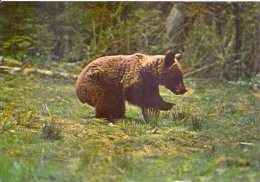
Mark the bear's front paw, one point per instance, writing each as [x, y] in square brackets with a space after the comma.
[167, 106]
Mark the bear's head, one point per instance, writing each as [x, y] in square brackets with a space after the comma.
[171, 73]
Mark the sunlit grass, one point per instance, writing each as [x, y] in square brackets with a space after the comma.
[209, 135]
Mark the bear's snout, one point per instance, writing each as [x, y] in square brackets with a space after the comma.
[178, 90]
[181, 92]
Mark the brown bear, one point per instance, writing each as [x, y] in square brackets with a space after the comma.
[108, 81]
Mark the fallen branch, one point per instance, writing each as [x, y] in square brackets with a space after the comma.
[10, 70]
[13, 70]
[11, 66]
[245, 143]
[49, 73]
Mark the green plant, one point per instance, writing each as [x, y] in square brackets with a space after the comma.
[51, 131]
[196, 123]
[134, 128]
[152, 116]
[24, 117]
[4, 121]
[180, 112]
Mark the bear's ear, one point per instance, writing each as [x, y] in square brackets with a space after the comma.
[178, 56]
[169, 59]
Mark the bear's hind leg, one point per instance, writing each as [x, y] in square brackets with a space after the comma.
[110, 108]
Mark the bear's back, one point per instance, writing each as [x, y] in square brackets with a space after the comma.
[114, 66]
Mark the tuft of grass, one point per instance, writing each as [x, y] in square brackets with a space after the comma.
[4, 121]
[196, 123]
[152, 117]
[24, 117]
[179, 112]
[133, 128]
[51, 131]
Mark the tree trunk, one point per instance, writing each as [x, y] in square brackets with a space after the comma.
[256, 61]
[233, 66]
[239, 30]
[238, 40]
[178, 25]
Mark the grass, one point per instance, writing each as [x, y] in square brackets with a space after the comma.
[211, 134]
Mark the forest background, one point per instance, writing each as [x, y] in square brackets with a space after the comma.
[220, 40]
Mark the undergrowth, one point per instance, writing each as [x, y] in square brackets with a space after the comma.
[211, 134]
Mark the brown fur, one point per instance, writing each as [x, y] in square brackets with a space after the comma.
[108, 81]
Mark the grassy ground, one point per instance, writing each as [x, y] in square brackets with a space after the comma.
[46, 134]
